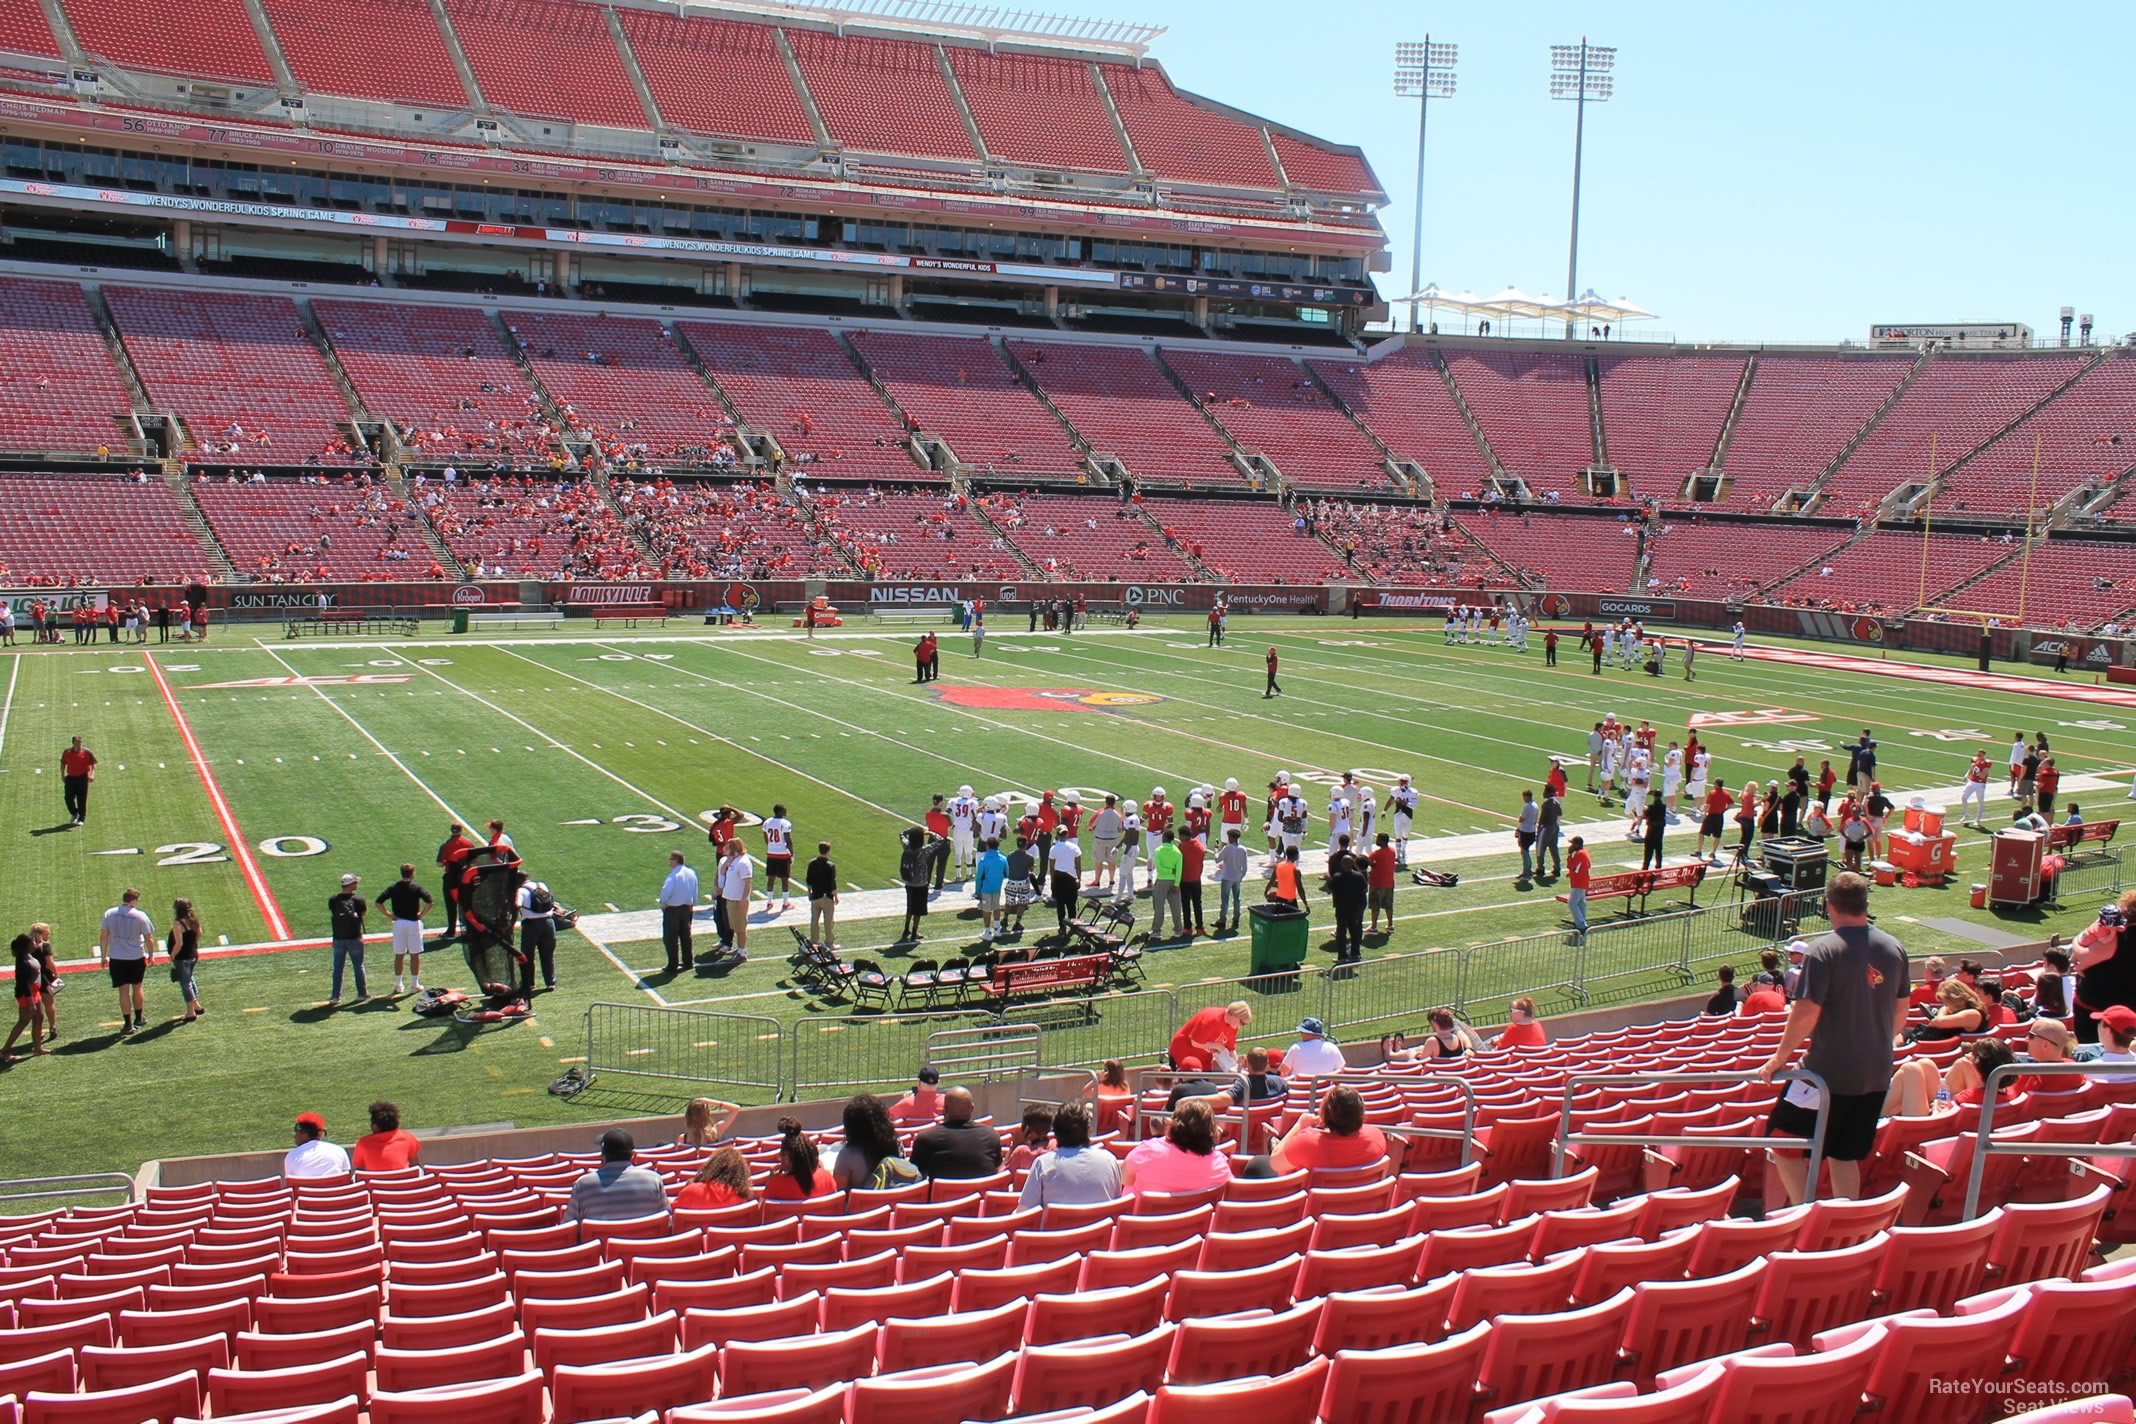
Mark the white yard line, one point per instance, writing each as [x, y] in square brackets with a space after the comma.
[365, 732]
[8, 706]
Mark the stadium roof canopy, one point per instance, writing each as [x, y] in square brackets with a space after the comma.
[988, 24]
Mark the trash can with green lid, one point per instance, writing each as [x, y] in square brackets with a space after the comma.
[1279, 935]
[459, 620]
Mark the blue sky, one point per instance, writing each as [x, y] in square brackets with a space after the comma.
[1765, 172]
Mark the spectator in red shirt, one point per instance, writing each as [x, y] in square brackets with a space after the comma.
[1554, 782]
[722, 1181]
[801, 1173]
[1193, 855]
[1765, 997]
[386, 1148]
[1523, 1030]
[1208, 1033]
[1339, 1138]
[1379, 882]
[1579, 871]
[1715, 819]
[1915, 1082]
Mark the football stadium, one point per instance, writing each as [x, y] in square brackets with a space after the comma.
[757, 710]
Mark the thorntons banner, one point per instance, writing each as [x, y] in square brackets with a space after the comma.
[1149, 598]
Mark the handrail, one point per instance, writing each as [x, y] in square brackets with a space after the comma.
[1566, 1137]
[11, 1188]
[1986, 1143]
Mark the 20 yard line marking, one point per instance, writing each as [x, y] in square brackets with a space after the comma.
[240, 848]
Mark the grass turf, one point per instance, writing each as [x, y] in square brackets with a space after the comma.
[602, 753]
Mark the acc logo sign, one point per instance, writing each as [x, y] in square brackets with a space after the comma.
[742, 597]
[1041, 699]
[1553, 605]
[1868, 630]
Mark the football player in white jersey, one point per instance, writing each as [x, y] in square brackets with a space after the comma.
[1404, 801]
[1132, 850]
[963, 811]
[993, 823]
[779, 856]
[1366, 816]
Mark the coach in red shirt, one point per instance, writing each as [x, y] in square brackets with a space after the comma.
[1379, 881]
[77, 768]
[1579, 869]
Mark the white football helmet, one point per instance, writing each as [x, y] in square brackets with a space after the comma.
[1231, 783]
[1156, 793]
[964, 791]
[1194, 802]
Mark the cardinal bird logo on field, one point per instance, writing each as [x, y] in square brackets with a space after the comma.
[1042, 699]
[1553, 605]
[1868, 630]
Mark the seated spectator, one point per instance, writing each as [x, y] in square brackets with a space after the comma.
[1990, 990]
[871, 1156]
[386, 1148]
[1032, 1137]
[1257, 1084]
[615, 1190]
[1210, 1038]
[1112, 1100]
[801, 1174]
[2117, 1032]
[1523, 1029]
[1725, 998]
[2050, 995]
[1956, 1011]
[313, 1156]
[705, 1122]
[1185, 1159]
[722, 1181]
[1450, 1038]
[1764, 997]
[1915, 1082]
[2047, 1041]
[956, 1148]
[1339, 1138]
[1314, 1055]
[922, 1107]
[1074, 1173]
[1933, 972]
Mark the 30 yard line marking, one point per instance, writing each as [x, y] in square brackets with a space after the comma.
[705, 732]
[240, 848]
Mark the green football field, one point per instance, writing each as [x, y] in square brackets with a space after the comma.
[250, 775]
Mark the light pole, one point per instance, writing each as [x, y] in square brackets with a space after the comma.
[1422, 71]
[1581, 73]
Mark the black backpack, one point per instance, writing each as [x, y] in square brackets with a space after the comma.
[540, 901]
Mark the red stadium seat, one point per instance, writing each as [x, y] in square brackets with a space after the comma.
[161, 1399]
[843, 1308]
[2052, 1239]
[435, 1368]
[1376, 1319]
[1805, 1292]
[1773, 1385]
[345, 1410]
[1927, 1361]
[936, 1394]
[811, 1361]
[1253, 1342]
[782, 1406]
[586, 1392]
[321, 1382]
[262, 1350]
[53, 1373]
[117, 1367]
[1122, 1310]
[801, 1315]
[1675, 1322]
[947, 1339]
[517, 1400]
[983, 1290]
[1092, 1372]
[443, 1332]
[1216, 1292]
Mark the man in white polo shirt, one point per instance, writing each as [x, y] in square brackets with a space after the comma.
[734, 874]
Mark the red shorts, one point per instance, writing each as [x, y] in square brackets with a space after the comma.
[28, 1001]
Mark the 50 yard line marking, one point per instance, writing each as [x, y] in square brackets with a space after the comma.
[240, 848]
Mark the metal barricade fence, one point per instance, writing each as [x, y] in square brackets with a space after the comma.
[1380, 995]
[2093, 877]
[736, 1051]
[1084, 1032]
[987, 1053]
[851, 1052]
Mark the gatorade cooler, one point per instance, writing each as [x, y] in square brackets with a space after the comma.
[1914, 809]
[1980, 896]
[1931, 821]
[1885, 872]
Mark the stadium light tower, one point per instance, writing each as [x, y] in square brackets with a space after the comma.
[1423, 71]
[1582, 73]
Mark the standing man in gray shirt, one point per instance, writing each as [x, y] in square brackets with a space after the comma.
[1232, 861]
[1531, 816]
[1549, 817]
[127, 940]
[1594, 754]
[1854, 999]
